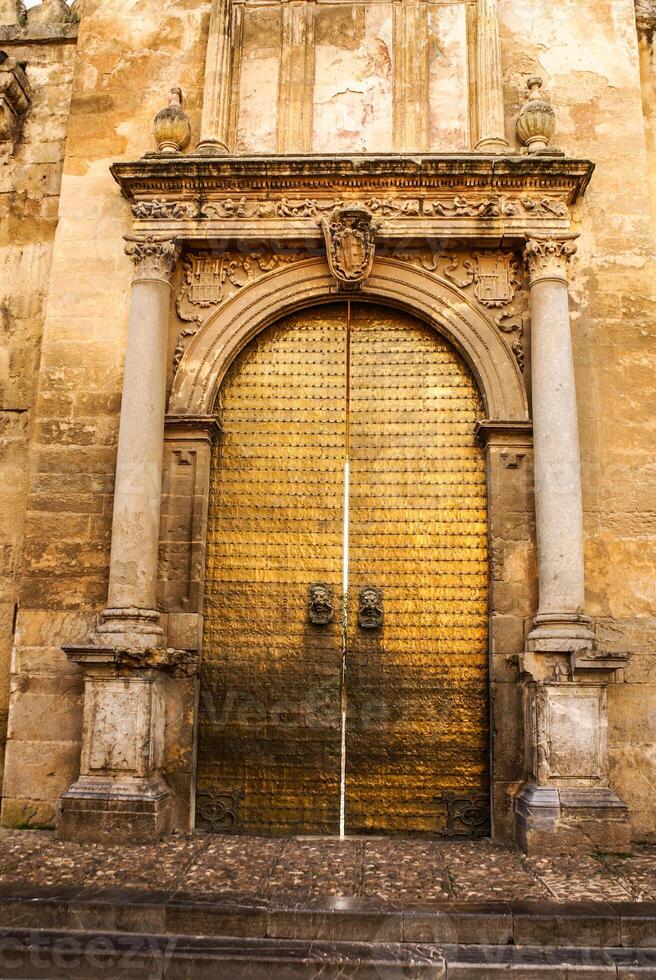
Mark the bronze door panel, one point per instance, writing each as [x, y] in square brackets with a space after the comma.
[417, 687]
[270, 716]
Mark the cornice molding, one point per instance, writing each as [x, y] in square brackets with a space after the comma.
[464, 196]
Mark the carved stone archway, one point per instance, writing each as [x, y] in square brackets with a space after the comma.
[391, 282]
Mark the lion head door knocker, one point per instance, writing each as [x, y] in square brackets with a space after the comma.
[350, 245]
[370, 612]
[320, 605]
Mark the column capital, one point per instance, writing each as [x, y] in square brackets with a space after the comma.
[547, 258]
[152, 258]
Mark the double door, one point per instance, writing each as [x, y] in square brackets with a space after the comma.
[344, 683]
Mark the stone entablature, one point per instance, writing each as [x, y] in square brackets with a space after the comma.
[470, 197]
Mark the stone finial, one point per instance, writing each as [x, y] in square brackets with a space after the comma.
[536, 123]
[172, 128]
[50, 12]
[12, 12]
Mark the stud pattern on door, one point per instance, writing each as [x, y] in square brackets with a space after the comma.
[270, 726]
[414, 717]
[417, 689]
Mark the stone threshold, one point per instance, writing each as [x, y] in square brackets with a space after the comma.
[515, 923]
[79, 955]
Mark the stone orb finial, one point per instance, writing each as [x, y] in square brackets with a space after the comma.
[536, 122]
[50, 12]
[172, 127]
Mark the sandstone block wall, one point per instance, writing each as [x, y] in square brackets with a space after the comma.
[29, 201]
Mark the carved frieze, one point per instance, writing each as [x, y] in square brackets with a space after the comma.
[148, 210]
[391, 209]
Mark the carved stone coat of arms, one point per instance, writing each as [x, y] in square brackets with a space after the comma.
[350, 244]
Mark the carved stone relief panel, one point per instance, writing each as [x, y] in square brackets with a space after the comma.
[491, 278]
[211, 278]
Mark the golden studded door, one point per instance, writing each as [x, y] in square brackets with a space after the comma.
[417, 684]
[269, 751]
[344, 683]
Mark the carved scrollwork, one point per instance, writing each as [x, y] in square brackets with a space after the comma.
[219, 811]
[467, 813]
[149, 210]
[210, 279]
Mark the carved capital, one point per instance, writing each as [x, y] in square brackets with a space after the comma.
[152, 259]
[547, 258]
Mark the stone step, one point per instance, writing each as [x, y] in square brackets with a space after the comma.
[538, 923]
[81, 955]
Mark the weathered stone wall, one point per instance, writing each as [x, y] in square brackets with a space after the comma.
[128, 62]
[29, 198]
[587, 52]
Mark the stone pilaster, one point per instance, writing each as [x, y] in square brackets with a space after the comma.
[296, 83]
[215, 121]
[489, 80]
[566, 803]
[411, 118]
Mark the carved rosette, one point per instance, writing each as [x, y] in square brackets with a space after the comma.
[350, 244]
[547, 258]
[152, 259]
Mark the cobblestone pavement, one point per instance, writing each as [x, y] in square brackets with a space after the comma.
[310, 867]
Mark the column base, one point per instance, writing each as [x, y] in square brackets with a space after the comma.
[211, 148]
[105, 809]
[562, 633]
[579, 820]
[493, 144]
[131, 628]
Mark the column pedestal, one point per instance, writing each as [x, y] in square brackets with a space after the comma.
[121, 793]
[567, 803]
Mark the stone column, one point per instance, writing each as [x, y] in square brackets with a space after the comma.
[489, 80]
[558, 503]
[567, 803]
[215, 121]
[121, 791]
[131, 619]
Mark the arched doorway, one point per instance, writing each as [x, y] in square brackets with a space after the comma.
[348, 461]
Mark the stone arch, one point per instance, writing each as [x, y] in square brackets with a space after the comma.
[429, 297]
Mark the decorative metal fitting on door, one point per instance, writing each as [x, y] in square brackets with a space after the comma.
[320, 604]
[370, 612]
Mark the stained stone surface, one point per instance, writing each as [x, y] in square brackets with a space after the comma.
[410, 872]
